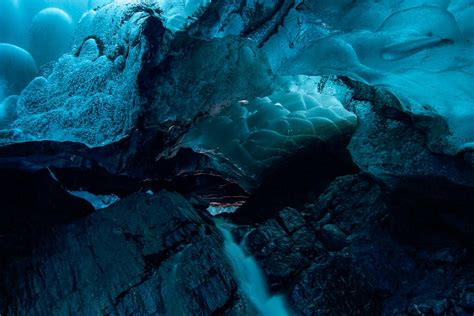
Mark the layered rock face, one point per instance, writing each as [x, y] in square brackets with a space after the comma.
[147, 254]
[345, 183]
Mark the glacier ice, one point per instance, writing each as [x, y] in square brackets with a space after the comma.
[207, 77]
[254, 133]
[16, 17]
[178, 13]
[422, 51]
[51, 35]
[419, 50]
[17, 69]
[8, 110]
[90, 95]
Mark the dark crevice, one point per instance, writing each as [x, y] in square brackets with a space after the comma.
[228, 305]
[99, 42]
[432, 212]
[295, 180]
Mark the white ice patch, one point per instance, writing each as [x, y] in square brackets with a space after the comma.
[179, 12]
[97, 201]
[214, 209]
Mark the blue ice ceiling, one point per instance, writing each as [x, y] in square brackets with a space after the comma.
[420, 50]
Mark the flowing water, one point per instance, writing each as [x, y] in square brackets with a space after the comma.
[250, 278]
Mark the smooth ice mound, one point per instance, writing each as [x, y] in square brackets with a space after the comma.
[51, 35]
[17, 69]
[253, 134]
[422, 51]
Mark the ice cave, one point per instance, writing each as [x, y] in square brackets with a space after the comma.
[239, 157]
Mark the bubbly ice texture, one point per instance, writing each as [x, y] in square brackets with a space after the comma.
[422, 51]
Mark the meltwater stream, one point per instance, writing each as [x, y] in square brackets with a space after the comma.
[250, 278]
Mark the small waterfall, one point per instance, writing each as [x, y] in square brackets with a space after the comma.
[249, 277]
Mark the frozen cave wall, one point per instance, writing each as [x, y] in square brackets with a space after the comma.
[335, 135]
[254, 134]
[419, 50]
[375, 42]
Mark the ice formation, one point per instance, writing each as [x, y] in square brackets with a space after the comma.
[254, 133]
[17, 69]
[89, 96]
[51, 35]
[178, 13]
[422, 51]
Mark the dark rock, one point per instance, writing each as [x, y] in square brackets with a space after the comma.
[31, 202]
[292, 219]
[367, 271]
[468, 300]
[307, 172]
[459, 311]
[432, 193]
[328, 287]
[333, 237]
[147, 254]
[393, 149]
[282, 253]
[439, 307]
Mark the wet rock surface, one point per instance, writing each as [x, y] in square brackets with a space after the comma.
[147, 254]
[393, 239]
[381, 234]
[340, 255]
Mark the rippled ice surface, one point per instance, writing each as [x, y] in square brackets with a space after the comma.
[420, 50]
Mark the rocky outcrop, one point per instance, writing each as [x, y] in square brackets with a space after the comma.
[393, 239]
[340, 256]
[147, 254]
[392, 147]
